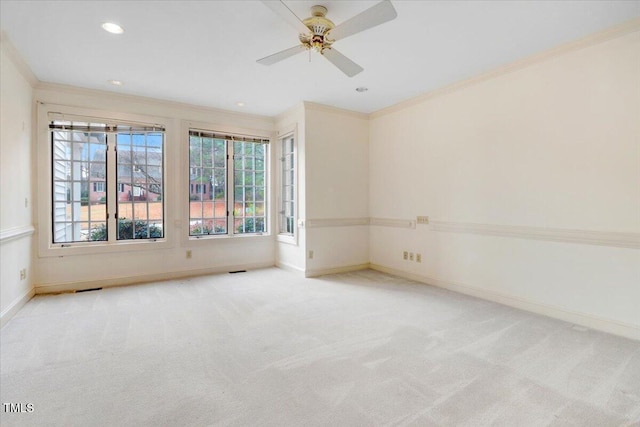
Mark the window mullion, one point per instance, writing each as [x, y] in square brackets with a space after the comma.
[112, 190]
[230, 188]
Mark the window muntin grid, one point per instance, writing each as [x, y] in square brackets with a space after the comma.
[79, 162]
[139, 208]
[81, 187]
[207, 184]
[288, 186]
[249, 178]
[238, 168]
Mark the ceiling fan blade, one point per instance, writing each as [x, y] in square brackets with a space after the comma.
[345, 65]
[376, 15]
[276, 57]
[287, 14]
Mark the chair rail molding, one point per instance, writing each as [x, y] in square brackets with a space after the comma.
[589, 237]
[393, 222]
[16, 233]
[336, 222]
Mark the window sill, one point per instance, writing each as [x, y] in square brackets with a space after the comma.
[90, 248]
[290, 239]
[218, 239]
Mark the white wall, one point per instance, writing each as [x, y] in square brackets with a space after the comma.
[337, 188]
[534, 153]
[54, 273]
[16, 226]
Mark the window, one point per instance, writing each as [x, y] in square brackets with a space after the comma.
[287, 186]
[79, 155]
[227, 184]
[89, 159]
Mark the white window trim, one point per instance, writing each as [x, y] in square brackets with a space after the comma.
[46, 247]
[183, 181]
[285, 133]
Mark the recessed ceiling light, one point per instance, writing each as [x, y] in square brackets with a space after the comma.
[361, 89]
[112, 28]
[115, 82]
[240, 104]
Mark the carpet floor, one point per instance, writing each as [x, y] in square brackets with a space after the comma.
[270, 348]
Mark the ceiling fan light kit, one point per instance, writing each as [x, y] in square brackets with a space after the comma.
[319, 33]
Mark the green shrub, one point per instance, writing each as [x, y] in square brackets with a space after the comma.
[251, 226]
[206, 229]
[126, 230]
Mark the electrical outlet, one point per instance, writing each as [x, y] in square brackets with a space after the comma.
[418, 257]
[423, 220]
[189, 254]
[310, 254]
[405, 255]
[23, 274]
[411, 256]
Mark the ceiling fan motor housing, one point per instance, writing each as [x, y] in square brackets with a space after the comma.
[319, 33]
[319, 26]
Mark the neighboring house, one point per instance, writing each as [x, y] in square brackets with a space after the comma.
[200, 188]
[136, 182]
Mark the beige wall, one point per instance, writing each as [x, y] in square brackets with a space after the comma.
[537, 153]
[337, 170]
[16, 225]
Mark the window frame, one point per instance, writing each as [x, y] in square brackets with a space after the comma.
[44, 201]
[187, 239]
[292, 132]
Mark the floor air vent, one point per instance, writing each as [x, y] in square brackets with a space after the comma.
[89, 290]
[237, 271]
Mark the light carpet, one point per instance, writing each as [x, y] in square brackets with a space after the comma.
[270, 348]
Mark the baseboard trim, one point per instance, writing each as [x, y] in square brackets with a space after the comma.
[315, 272]
[598, 323]
[143, 278]
[602, 238]
[289, 267]
[16, 305]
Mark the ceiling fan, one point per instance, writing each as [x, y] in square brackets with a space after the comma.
[319, 33]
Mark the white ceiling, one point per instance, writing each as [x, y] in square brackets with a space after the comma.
[205, 52]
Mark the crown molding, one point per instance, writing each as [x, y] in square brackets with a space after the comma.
[75, 90]
[10, 50]
[611, 33]
[335, 110]
[296, 109]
